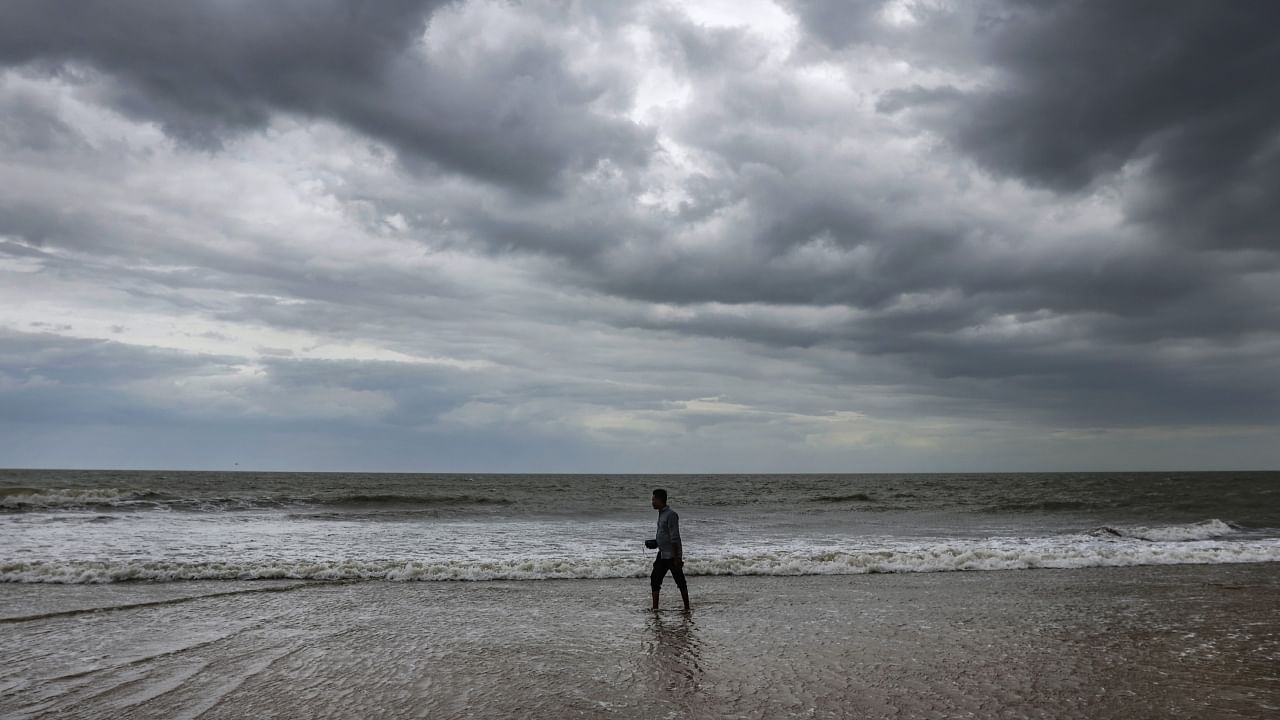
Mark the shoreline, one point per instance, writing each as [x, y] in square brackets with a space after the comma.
[1133, 642]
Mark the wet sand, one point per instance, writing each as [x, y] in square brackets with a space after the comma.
[1161, 642]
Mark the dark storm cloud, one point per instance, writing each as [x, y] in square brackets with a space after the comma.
[839, 23]
[1085, 88]
[513, 114]
[420, 393]
[41, 357]
[47, 378]
[67, 402]
[1096, 317]
[31, 125]
[1087, 380]
[276, 286]
[38, 224]
[1043, 215]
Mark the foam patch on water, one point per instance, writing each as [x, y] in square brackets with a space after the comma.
[952, 556]
[71, 498]
[1205, 530]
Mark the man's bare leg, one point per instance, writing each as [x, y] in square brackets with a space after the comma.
[655, 601]
[684, 595]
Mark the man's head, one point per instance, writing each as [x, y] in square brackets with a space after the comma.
[659, 498]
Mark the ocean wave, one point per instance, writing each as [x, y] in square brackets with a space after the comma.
[1043, 506]
[24, 499]
[854, 497]
[343, 500]
[1082, 553]
[20, 498]
[1204, 530]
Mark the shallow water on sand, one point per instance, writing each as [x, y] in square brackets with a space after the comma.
[1187, 641]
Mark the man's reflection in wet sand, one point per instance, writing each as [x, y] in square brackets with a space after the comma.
[674, 652]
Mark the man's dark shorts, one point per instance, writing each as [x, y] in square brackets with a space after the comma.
[660, 568]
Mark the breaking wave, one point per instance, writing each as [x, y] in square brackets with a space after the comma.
[1204, 530]
[18, 498]
[1009, 554]
[21, 499]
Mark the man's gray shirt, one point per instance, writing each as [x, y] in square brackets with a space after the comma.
[668, 532]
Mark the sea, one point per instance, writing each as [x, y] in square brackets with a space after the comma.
[112, 526]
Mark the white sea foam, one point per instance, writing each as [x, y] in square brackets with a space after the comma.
[1205, 530]
[51, 499]
[1001, 554]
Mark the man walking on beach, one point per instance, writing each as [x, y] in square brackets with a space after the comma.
[670, 553]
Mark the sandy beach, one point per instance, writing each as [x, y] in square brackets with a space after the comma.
[1188, 641]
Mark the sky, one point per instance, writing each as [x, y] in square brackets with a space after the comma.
[714, 236]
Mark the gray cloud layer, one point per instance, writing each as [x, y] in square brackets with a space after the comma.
[514, 114]
[899, 236]
[1087, 88]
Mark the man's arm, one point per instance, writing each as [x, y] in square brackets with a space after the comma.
[677, 550]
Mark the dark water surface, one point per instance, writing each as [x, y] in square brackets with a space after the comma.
[107, 526]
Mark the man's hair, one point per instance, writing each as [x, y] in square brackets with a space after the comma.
[660, 494]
